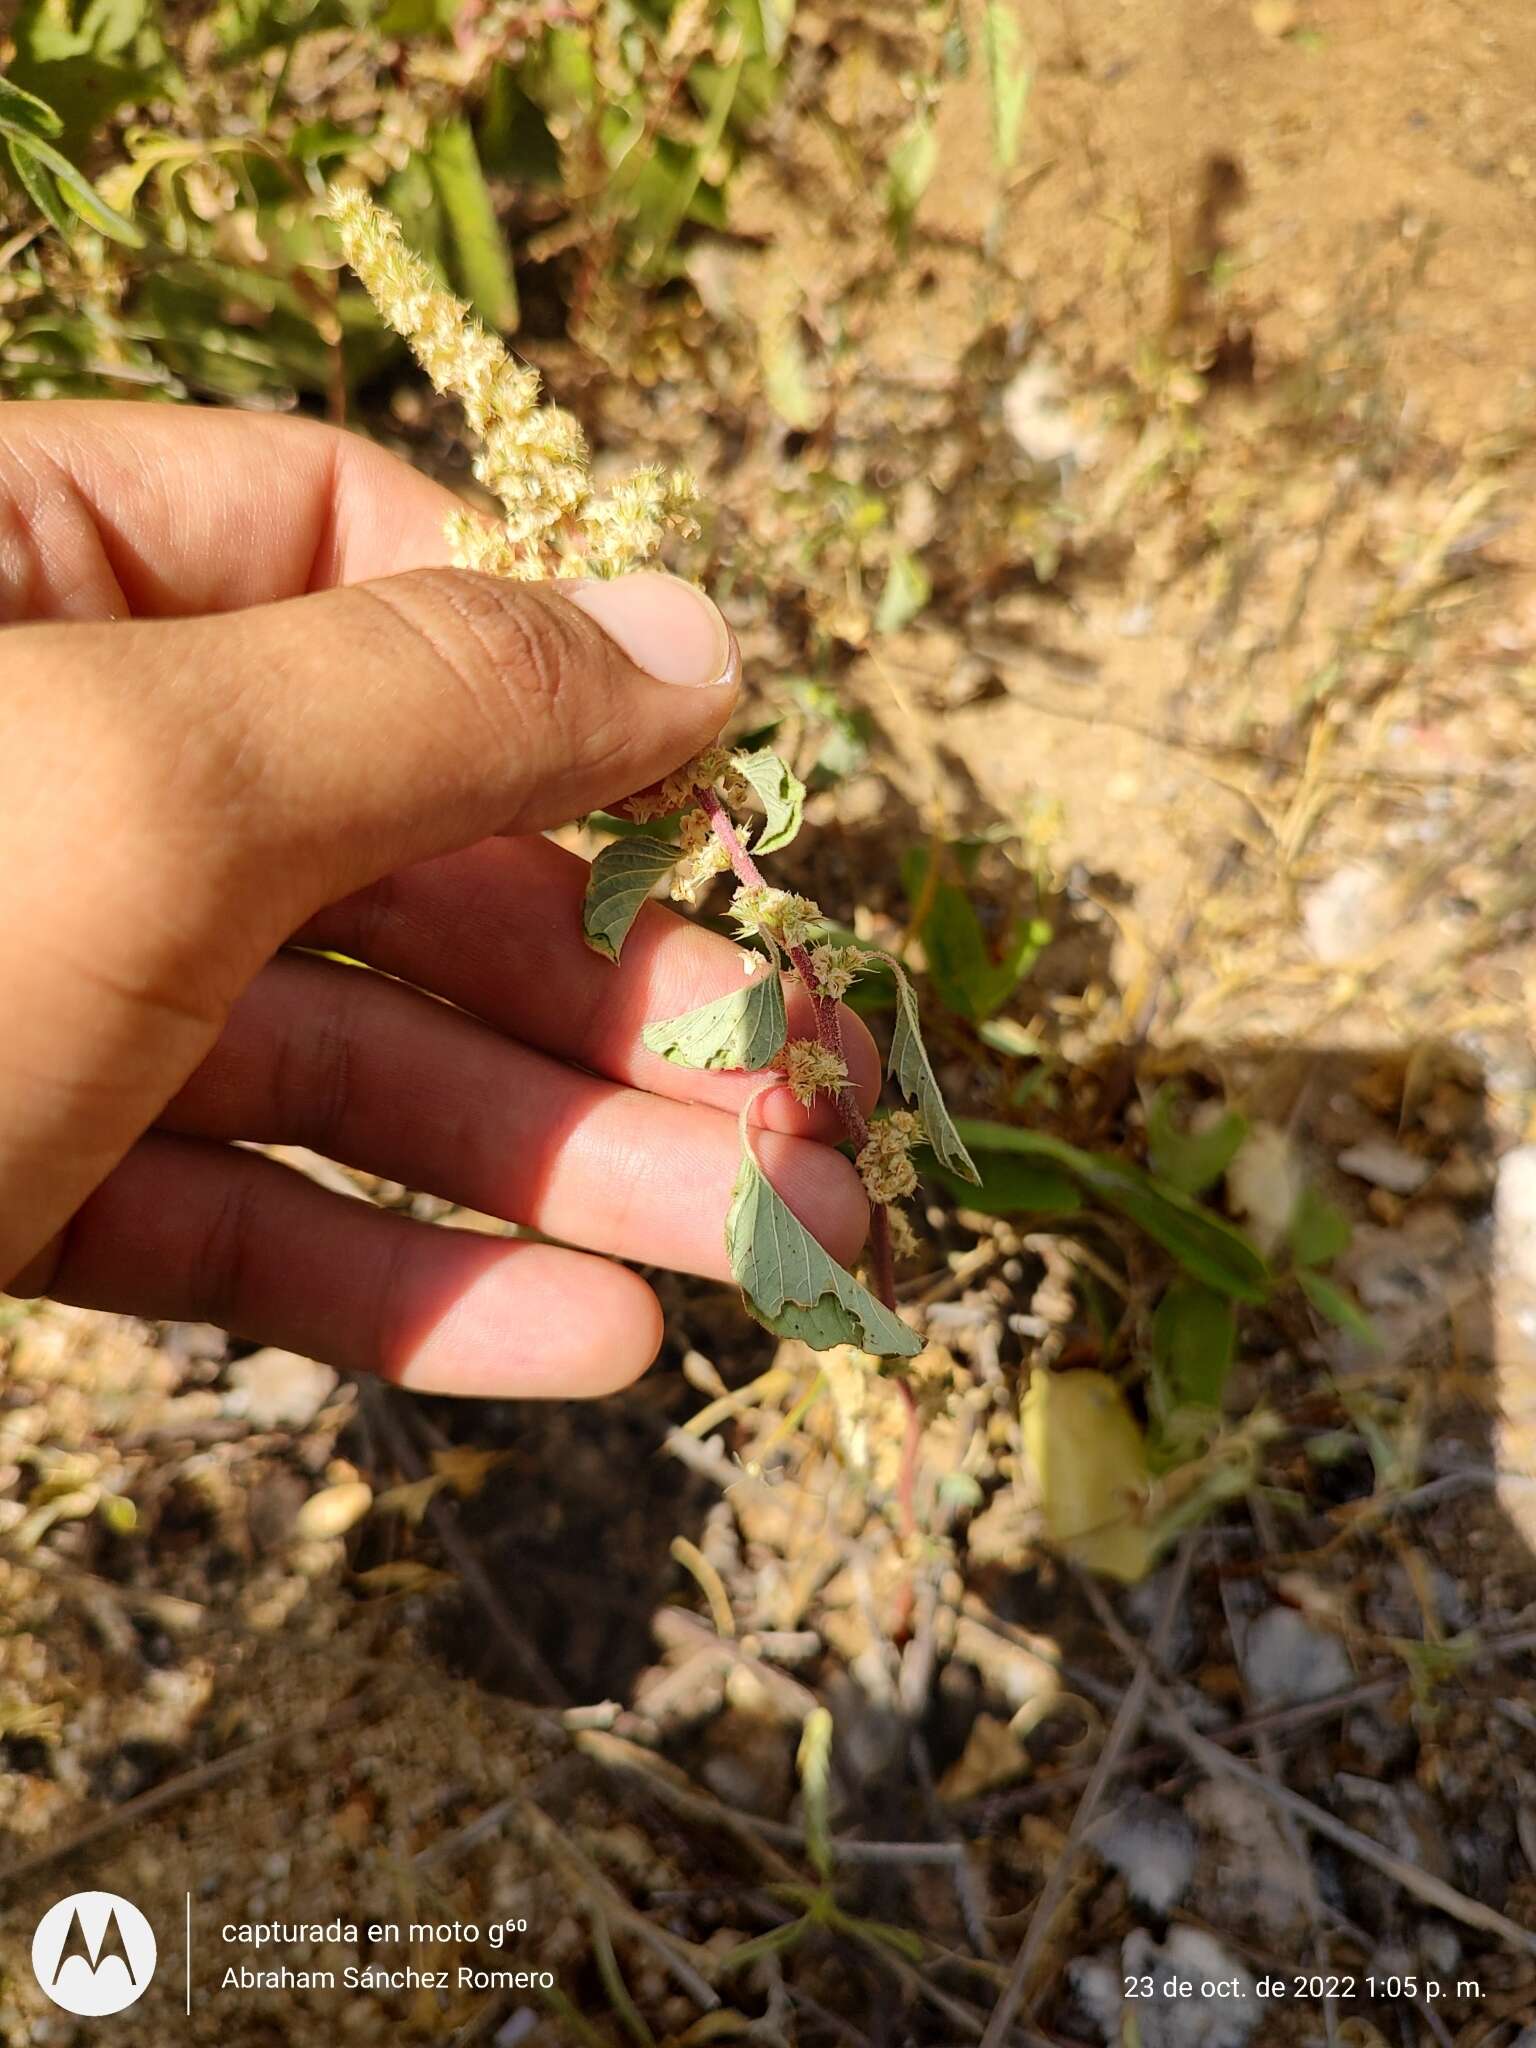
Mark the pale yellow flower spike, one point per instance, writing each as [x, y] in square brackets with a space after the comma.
[532, 457]
[884, 1164]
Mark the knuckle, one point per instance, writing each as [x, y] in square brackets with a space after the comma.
[514, 650]
[313, 1068]
[220, 1259]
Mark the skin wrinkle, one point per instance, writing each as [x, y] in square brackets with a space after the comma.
[327, 549]
[218, 1270]
[238, 525]
[439, 648]
[56, 565]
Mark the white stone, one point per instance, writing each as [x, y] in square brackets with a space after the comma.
[278, 1389]
[1152, 1846]
[1386, 1165]
[1349, 915]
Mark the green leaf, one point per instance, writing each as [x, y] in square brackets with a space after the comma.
[87, 61]
[513, 132]
[622, 876]
[1194, 1335]
[786, 370]
[878, 1934]
[744, 1029]
[908, 171]
[1338, 1305]
[479, 248]
[1205, 1244]
[1320, 1231]
[26, 112]
[81, 195]
[1008, 78]
[782, 793]
[968, 977]
[791, 1285]
[1007, 1036]
[37, 188]
[1192, 1160]
[418, 17]
[847, 728]
[908, 588]
[48, 31]
[1010, 1186]
[774, 1942]
[912, 1071]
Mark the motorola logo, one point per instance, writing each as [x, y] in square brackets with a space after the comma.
[94, 1953]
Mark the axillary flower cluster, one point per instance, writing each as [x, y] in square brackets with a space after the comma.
[554, 522]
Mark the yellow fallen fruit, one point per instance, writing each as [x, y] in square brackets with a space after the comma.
[1090, 1461]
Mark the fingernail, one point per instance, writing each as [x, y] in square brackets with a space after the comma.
[664, 625]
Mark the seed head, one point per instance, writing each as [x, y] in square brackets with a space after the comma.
[703, 858]
[809, 1067]
[885, 1162]
[788, 919]
[838, 967]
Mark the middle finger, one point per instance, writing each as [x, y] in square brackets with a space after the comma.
[370, 1072]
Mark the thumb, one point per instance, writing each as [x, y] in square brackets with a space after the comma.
[367, 727]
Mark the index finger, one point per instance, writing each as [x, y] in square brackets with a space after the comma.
[111, 509]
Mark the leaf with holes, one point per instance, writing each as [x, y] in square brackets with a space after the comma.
[912, 1072]
[744, 1029]
[622, 876]
[782, 793]
[791, 1285]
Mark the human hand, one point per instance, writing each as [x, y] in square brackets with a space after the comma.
[359, 761]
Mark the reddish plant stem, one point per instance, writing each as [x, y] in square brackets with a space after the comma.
[829, 1033]
[829, 1030]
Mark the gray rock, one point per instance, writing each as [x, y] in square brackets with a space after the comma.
[1143, 1605]
[1152, 1846]
[1286, 1660]
[1402, 1817]
[1248, 1864]
[1199, 1997]
[1379, 1742]
[1439, 1947]
[1393, 1607]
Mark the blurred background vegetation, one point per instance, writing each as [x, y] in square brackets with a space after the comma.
[180, 150]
